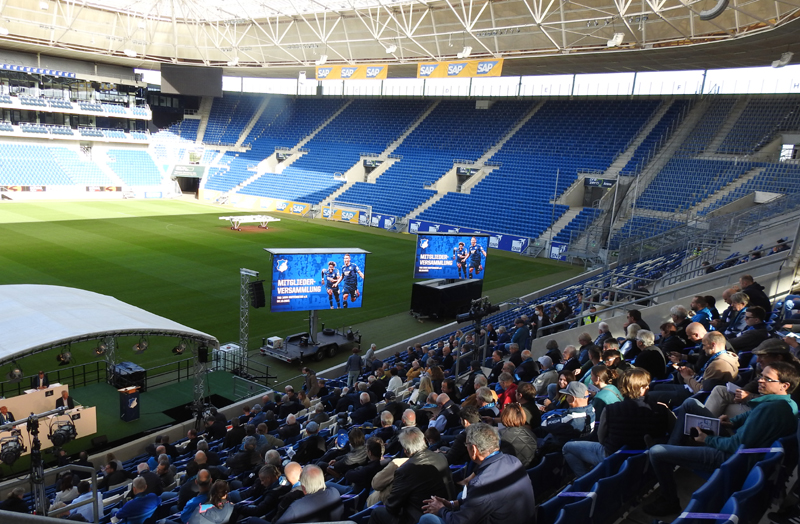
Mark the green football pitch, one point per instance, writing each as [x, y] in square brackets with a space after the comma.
[178, 260]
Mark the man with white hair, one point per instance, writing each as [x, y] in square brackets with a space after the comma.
[680, 317]
[527, 371]
[142, 506]
[365, 412]
[448, 414]
[571, 358]
[604, 332]
[650, 357]
[424, 475]
[547, 374]
[318, 503]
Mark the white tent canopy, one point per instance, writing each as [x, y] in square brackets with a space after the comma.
[37, 317]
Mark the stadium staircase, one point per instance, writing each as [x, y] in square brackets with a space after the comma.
[253, 121]
[623, 159]
[394, 145]
[203, 112]
[296, 153]
[560, 224]
[727, 125]
[720, 195]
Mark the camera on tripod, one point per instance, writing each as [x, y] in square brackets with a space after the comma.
[478, 309]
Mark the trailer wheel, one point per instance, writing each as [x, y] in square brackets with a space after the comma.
[319, 355]
[332, 350]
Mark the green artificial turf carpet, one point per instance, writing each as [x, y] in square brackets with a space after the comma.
[178, 260]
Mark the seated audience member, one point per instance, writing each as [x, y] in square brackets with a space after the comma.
[456, 453]
[509, 394]
[669, 341]
[292, 472]
[166, 472]
[360, 478]
[562, 425]
[755, 292]
[289, 404]
[499, 492]
[585, 342]
[624, 423]
[141, 507]
[547, 374]
[217, 472]
[702, 314]
[604, 332]
[629, 349]
[425, 474]
[245, 459]
[711, 303]
[721, 367]
[526, 397]
[394, 406]
[258, 416]
[312, 447]
[386, 429]
[722, 402]
[415, 371]
[266, 494]
[514, 355]
[556, 400]
[772, 417]
[447, 416]
[552, 351]
[516, 438]
[220, 509]
[15, 501]
[497, 366]
[680, 317]
[527, 371]
[487, 404]
[235, 436]
[570, 359]
[318, 504]
[323, 388]
[603, 378]
[154, 484]
[395, 382]
[451, 390]
[212, 458]
[113, 476]
[613, 360]
[433, 438]
[290, 429]
[592, 316]
[437, 376]
[86, 511]
[376, 387]
[265, 441]
[357, 456]
[366, 411]
[319, 416]
[634, 316]
[189, 484]
[595, 358]
[650, 357]
[735, 322]
[755, 333]
[721, 323]
[407, 420]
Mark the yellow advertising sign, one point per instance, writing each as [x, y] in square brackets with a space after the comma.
[460, 69]
[353, 216]
[285, 206]
[359, 72]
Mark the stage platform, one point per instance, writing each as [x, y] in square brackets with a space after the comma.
[163, 406]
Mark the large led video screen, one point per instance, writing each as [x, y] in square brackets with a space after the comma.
[451, 256]
[191, 80]
[313, 280]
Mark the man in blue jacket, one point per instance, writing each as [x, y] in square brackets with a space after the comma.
[773, 416]
[141, 506]
[500, 491]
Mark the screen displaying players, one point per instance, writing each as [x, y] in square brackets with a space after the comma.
[315, 281]
[451, 256]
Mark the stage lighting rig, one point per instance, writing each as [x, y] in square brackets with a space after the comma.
[140, 346]
[10, 449]
[15, 375]
[64, 358]
[64, 433]
[180, 348]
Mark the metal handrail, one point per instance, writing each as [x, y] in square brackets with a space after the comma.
[763, 262]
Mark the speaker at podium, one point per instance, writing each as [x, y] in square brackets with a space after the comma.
[129, 404]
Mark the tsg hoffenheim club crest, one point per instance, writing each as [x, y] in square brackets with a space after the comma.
[283, 265]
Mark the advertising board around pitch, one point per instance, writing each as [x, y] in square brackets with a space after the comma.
[451, 256]
[316, 279]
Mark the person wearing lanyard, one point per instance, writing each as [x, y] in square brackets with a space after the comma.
[499, 491]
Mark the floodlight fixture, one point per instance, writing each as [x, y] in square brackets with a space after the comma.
[15, 375]
[465, 52]
[130, 53]
[64, 433]
[4, 31]
[616, 40]
[783, 60]
[180, 348]
[322, 60]
[391, 49]
[234, 62]
[44, 6]
[140, 346]
[100, 349]
[64, 358]
[10, 449]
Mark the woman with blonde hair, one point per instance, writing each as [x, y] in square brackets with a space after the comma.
[629, 344]
[424, 389]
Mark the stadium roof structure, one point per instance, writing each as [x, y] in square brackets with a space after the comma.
[34, 318]
[273, 37]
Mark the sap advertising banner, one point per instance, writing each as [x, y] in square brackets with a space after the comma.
[359, 72]
[317, 279]
[451, 256]
[345, 215]
[460, 69]
[285, 206]
[504, 242]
